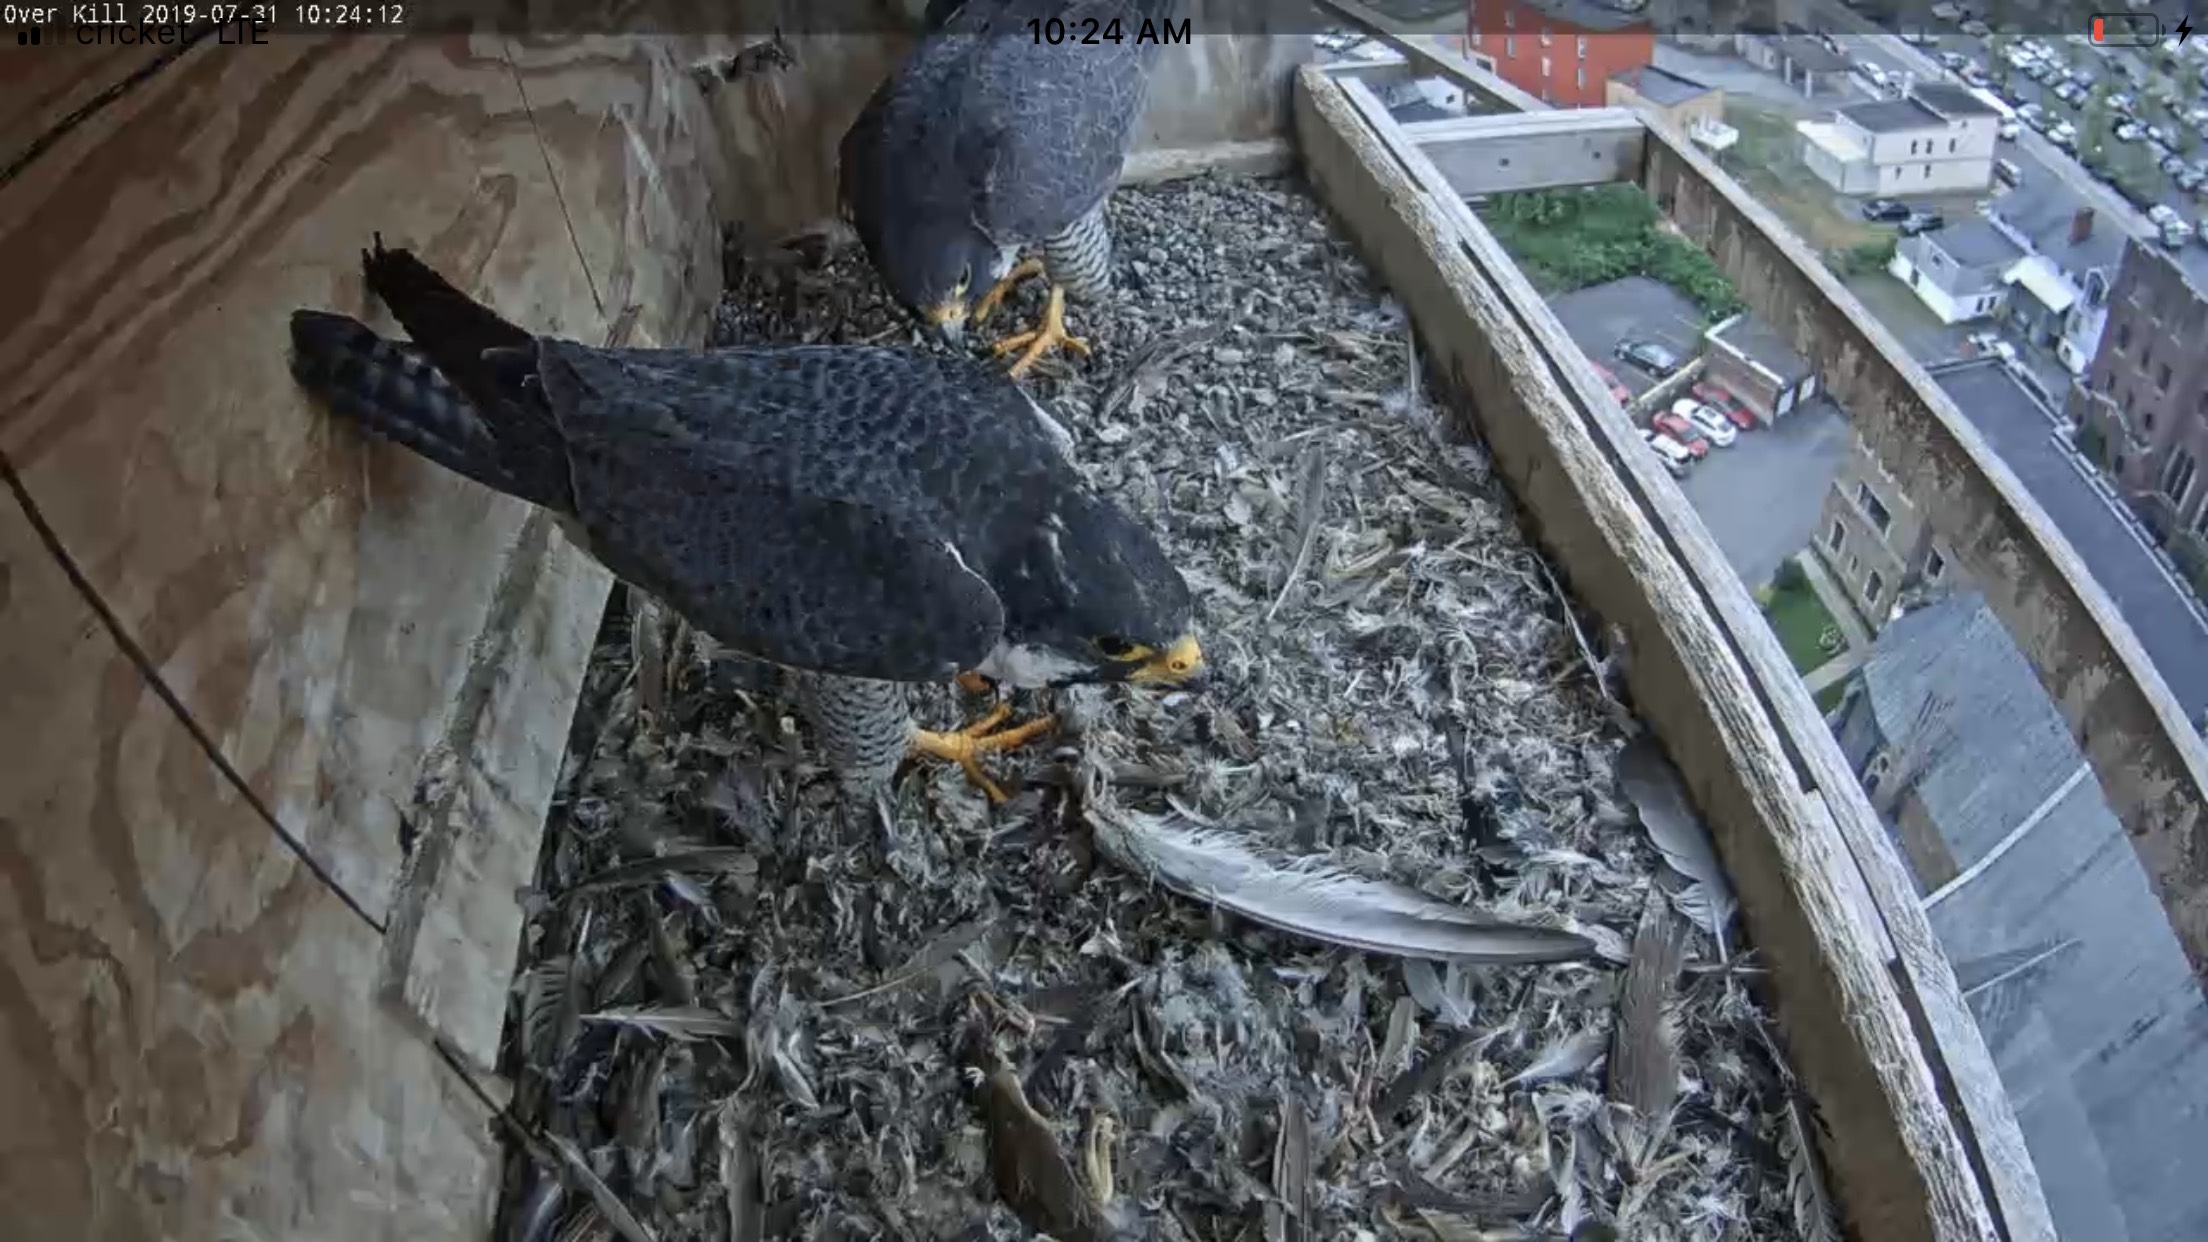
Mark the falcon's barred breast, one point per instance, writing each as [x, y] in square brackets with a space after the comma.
[870, 514]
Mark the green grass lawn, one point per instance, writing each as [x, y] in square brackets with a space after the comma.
[1798, 617]
[1829, 697]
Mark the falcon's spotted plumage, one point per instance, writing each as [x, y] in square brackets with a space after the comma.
[988, 141]
[864, 517]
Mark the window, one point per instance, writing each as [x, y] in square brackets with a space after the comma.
[2123, 342]
[1510, 19]
[1544, 66]
[1872, 509]
[1583, 47]
[1510, 45]
[1837, 536]
[1934, 565]
[2177, 477]
[1854, 562]
[1475, 40]
[2162, 378]
[1583, 77]
[1873, 587]
[1912, 146]
[2149, 420]
[2200, 405]
[1951, 146]
[1927, 172]
[2146, 355]
[1545, 37]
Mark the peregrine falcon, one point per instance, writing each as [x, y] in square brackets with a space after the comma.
[988, 140]
[862, 517]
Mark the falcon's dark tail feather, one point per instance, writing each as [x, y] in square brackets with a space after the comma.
[451, 327]
[392, 389]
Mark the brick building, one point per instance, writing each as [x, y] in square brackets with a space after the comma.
[2145, 397]
[1563, 51]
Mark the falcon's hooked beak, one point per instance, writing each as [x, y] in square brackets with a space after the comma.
[948, 320]
[1179, 667]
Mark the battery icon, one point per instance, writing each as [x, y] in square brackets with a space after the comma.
[2126, 29]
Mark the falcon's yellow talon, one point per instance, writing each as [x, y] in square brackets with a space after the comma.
[966, 746]
[974, 683]
[1020, 271]
[1051, 333]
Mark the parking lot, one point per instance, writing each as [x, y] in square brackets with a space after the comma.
[1761, 495]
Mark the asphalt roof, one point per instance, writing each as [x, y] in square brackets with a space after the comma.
[1890, 115]
[1754, 337]
[1974, 243]
[1661, 86]
[1948, 99]
[1590, 15]
[1812, 55]
[2001, 747]
[2045, 216]
[2022, 432]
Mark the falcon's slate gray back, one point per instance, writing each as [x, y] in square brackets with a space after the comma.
[986, 141]
[862, 513]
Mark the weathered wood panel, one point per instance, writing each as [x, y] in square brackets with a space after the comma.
[1899, 1166]
[191, 1041]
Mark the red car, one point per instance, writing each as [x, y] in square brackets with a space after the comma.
[1686, 433]
[1618, 391]
[1727, 404]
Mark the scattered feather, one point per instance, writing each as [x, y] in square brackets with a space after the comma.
[1644, 1045]
[1567, 1058]
[1678, 833]
[680, 1024]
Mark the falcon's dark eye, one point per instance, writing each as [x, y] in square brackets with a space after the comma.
[1114, 647]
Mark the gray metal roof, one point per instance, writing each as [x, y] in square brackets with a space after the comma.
[1811, 55]
[1661, 86]
[1755, 338]
[1974, 243]
[2021, 430]
[1590, 15]
[1950, 100]
[1890, 115]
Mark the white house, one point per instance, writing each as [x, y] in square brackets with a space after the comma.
[1960, 271]
[1939, 140]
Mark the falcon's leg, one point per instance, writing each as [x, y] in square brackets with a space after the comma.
[1079, 258]
[966, 746]
[987, 306]
[1033, 345]
[975, 683]
[864, 728]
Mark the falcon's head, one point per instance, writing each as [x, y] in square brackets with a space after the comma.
[936, 271]
[1092, 598]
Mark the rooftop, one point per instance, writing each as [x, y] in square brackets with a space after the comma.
[1661, 86]
[1811, 55]
[1950, 100]
[1975, 243]
[1891, 115]
[2046, 216]
[2022, 432]
[1755, 339]
[1589, 15]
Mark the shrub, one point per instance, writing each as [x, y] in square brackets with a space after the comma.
[2190, 551]
[1791, 577]
[1570, 239]
[1863, 259]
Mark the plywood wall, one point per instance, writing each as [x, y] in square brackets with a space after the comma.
[281, 709]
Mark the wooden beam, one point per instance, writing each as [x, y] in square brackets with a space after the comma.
[1510, 151]
[2151, 763]
[1899, 1165]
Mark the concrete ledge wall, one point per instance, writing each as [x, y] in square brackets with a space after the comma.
[282, 707]
[2149, 760]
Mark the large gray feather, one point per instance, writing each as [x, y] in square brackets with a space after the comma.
[1652, 784]
[1644, 1045]
[1311, 898]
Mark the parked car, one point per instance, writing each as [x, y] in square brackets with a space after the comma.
[1727, 404]
[1923, 222]
[1953, 60]
[2172, 165]
[2008, 172]
[1682, 431]
[2032, 114]
[2159, 136]
[2175, 234]
[2130, 131]
[2122, 103]
[1991, 343]
[1714, 426]
[2006, 131]
[1653, 357]
[1886, 211]
[1618, 391]
[1976, 29]
[1947, 11]
[2161, 214]
[1669, 451]
[2189, 180]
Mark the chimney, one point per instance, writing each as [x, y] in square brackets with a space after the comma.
[2081, 225]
